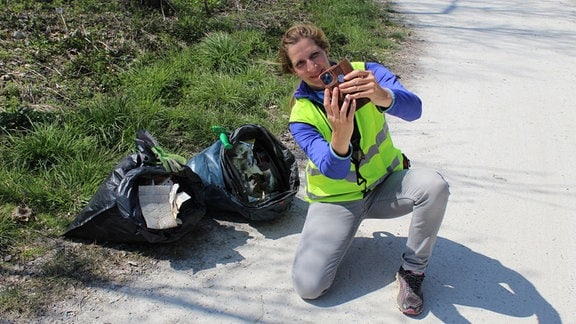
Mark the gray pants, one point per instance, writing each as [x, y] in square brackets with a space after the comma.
[330, 227]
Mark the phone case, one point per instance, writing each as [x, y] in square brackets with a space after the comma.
[335, 75]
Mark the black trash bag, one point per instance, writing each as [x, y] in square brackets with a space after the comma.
[114, 214]
[256, 177]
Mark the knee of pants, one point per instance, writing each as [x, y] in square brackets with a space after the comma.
[442, 187]
[308, 287]
[436, 185]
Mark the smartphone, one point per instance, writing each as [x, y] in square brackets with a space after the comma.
[335, 75]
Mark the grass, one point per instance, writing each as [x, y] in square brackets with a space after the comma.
[88, 74]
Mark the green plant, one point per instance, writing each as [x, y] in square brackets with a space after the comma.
[22, 119]
[8, 227]
[220, 52]
[11, 301]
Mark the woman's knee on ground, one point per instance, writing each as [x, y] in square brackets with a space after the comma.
[309, 286]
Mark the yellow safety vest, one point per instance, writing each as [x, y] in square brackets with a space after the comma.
[377, 155]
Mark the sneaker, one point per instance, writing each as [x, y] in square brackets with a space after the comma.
[410, 299]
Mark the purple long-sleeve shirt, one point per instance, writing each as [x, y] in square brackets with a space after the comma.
[405, 105]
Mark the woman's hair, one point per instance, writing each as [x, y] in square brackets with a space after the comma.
[293, 35]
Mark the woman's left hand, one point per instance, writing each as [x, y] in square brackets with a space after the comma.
[363, 84]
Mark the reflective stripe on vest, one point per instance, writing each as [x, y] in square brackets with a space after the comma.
[372, 151]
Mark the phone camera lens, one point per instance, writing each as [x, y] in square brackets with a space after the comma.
[326, 78]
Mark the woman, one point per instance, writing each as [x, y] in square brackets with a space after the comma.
[354, 171]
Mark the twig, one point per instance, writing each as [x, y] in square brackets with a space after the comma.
[54, 69]
[60, 11]
[38, 74]
[105, 46]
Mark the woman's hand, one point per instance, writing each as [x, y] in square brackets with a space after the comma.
[341, 120]
[363, 84]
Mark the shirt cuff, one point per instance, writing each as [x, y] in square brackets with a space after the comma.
[340, 157]
[385, 109]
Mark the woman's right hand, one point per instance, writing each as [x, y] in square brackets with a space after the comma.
[341, 120]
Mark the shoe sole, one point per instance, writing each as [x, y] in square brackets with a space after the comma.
[411, 312]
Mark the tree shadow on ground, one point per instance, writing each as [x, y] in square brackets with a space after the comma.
[210, 243]
[457, 276]
[216, 237]
[288, 223]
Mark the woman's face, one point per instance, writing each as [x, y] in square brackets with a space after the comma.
[308, 62]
